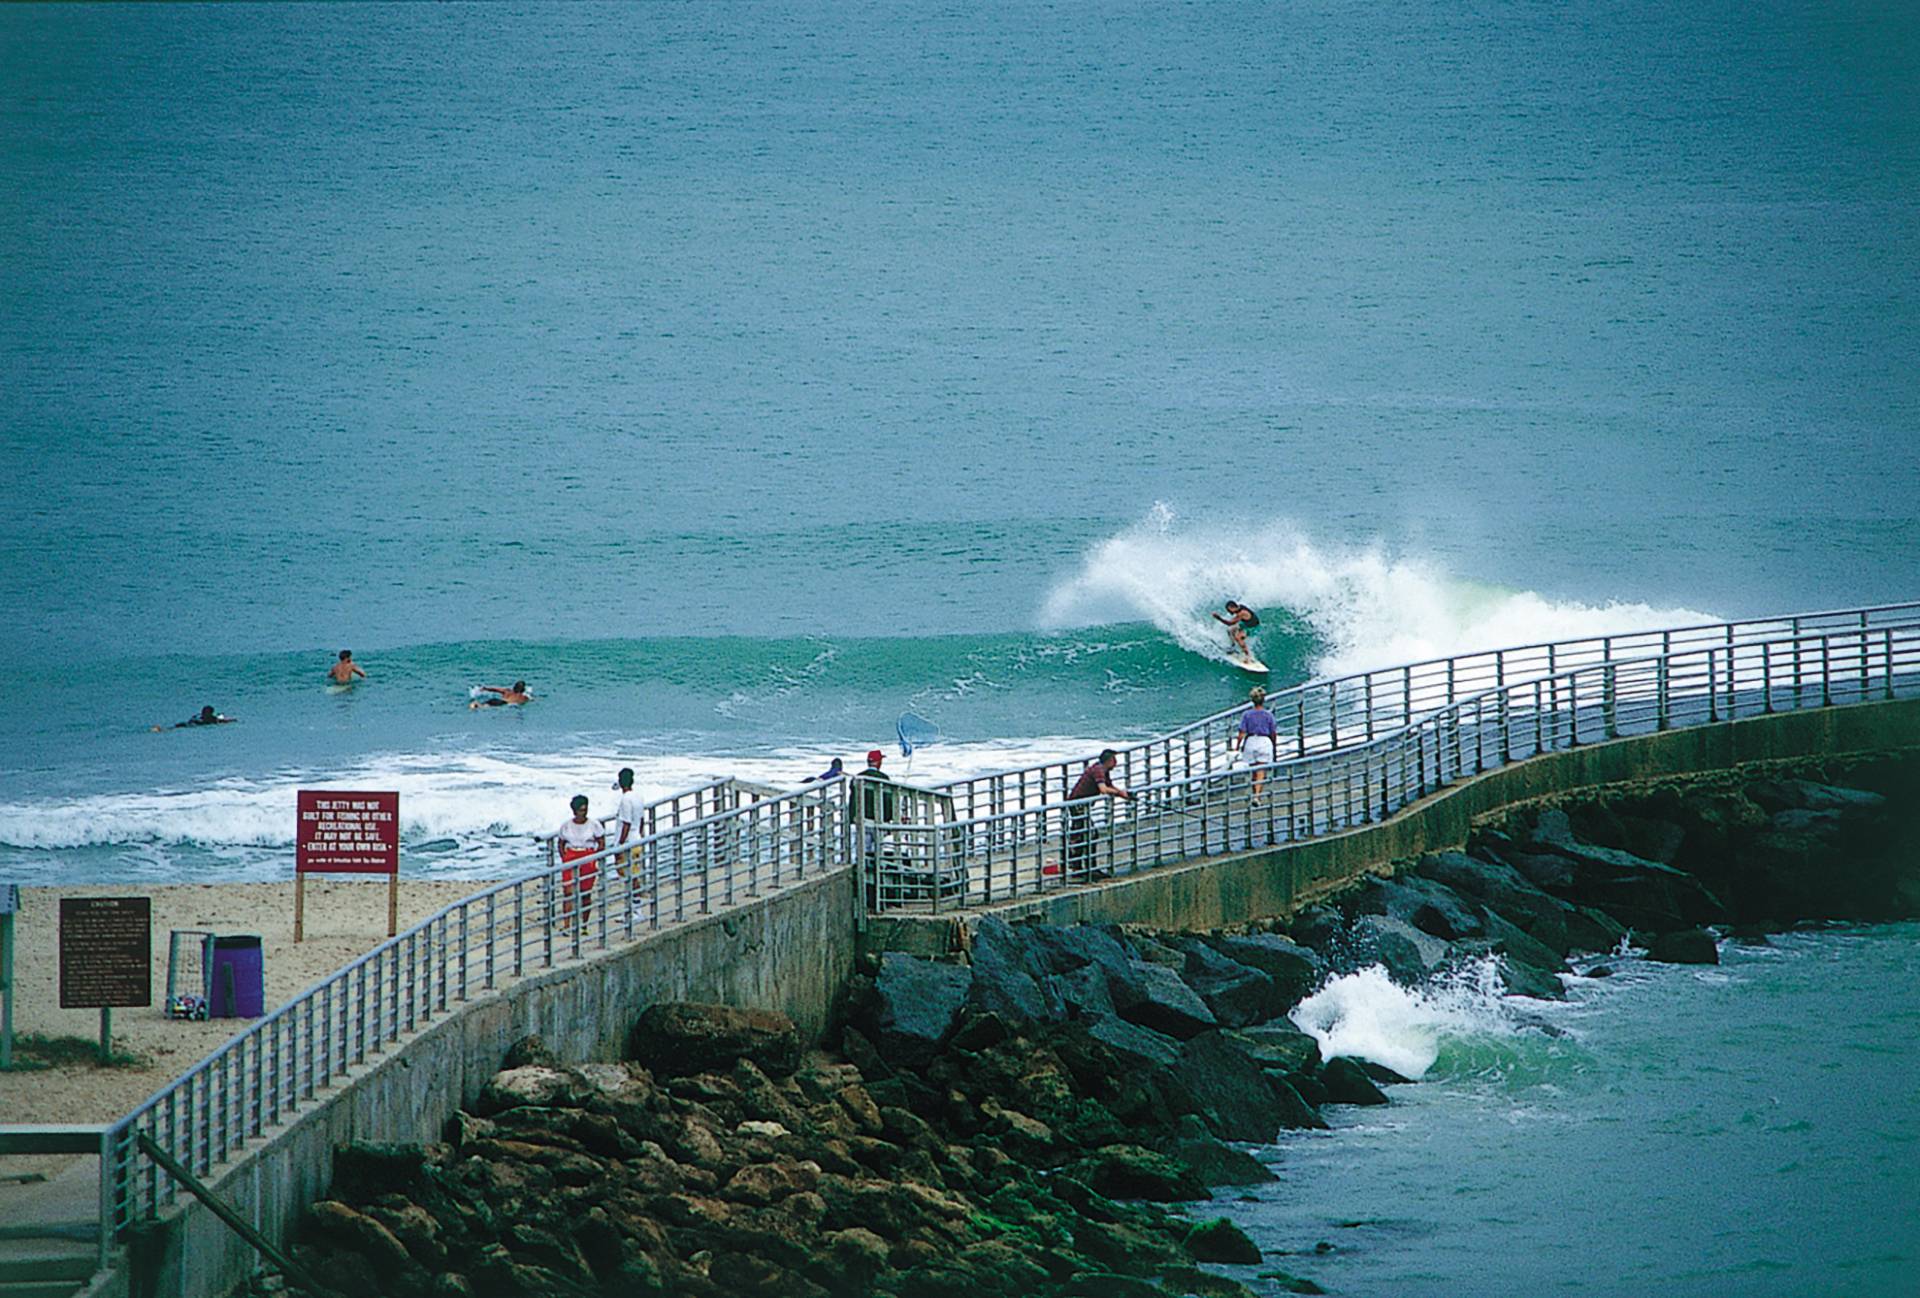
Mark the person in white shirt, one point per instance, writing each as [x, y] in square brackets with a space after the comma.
[578, 838]
[632, 820]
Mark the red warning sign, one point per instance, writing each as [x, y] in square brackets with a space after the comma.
[347, 833]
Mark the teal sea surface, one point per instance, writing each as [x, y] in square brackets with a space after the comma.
[741, 376]
[1748, 1128]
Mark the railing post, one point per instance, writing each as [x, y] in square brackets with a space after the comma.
[1887, 637]
[1826, 671]
[1369, 706]
[1713, 684]
[1553, 682]
[1609, 696]
[1731, 701]
[1506, 710]
[1333, 717]
[1300, 719]
[1662, 700]
[1863, 657]
[1766, 676]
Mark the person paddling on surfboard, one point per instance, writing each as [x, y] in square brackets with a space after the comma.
[502, 696]
[1239, 620]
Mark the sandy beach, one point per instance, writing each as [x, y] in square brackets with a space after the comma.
[344, 918]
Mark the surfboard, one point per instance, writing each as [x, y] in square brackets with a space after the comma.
[1253, 665]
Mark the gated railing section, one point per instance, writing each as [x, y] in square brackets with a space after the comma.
[978, 860]
[266, 1074]
[1352, 711]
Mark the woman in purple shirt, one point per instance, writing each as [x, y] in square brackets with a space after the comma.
[1257, 737]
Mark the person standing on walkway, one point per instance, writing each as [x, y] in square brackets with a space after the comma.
[1259, 734]
[872, 799]
[632, 820]
[579, 838]
[1094, 782]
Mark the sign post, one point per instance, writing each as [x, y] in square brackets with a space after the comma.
[346, 833]
[106, 957]
[9, 904]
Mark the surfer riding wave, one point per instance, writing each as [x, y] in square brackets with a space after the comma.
[1239, 619]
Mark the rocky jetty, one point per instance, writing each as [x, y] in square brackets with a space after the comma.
[1028, 1117]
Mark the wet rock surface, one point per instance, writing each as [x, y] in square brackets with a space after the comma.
[1036, 1116]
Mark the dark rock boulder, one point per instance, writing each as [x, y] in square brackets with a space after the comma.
[915, 1006]
[1593, 930]
[1348, 1083]
[1409, 956]
[676, 1038]
[1279, 1045]
[1085, 992]
[1684, 946]
[1651, 838]
[1069, 947]
[1529, 980]
[1211, 1159]
[1431, 907]
[1237, 994]
[1502, 889]
[1135, 1046]
[1133, 1172]
[1316, 928]
[1520, 946]
[1154, 996]
[1296, 970]
[1010, 974]
[1219, 1240]
[1230, 1089]
[1291, 1108]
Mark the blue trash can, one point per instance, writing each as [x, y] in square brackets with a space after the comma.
[239, 978]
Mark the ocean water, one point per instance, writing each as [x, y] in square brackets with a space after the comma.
[1748, 1128]
[742, 376]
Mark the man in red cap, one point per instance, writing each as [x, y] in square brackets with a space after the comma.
[877, 801]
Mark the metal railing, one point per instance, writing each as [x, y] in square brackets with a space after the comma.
[1352, 711]
[970, 861]
[282, 1062]
[702, 802]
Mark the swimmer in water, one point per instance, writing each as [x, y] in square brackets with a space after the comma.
[504, 696]
[205, 717]
[344, 671]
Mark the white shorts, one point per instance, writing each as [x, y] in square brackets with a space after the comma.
[1257, 751]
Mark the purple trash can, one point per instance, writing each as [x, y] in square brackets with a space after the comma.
[238, 978]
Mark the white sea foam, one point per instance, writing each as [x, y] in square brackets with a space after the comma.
[467, 797]
[1370, 607]
[1366, 1015]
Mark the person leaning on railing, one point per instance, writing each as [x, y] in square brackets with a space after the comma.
[1095, 781]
